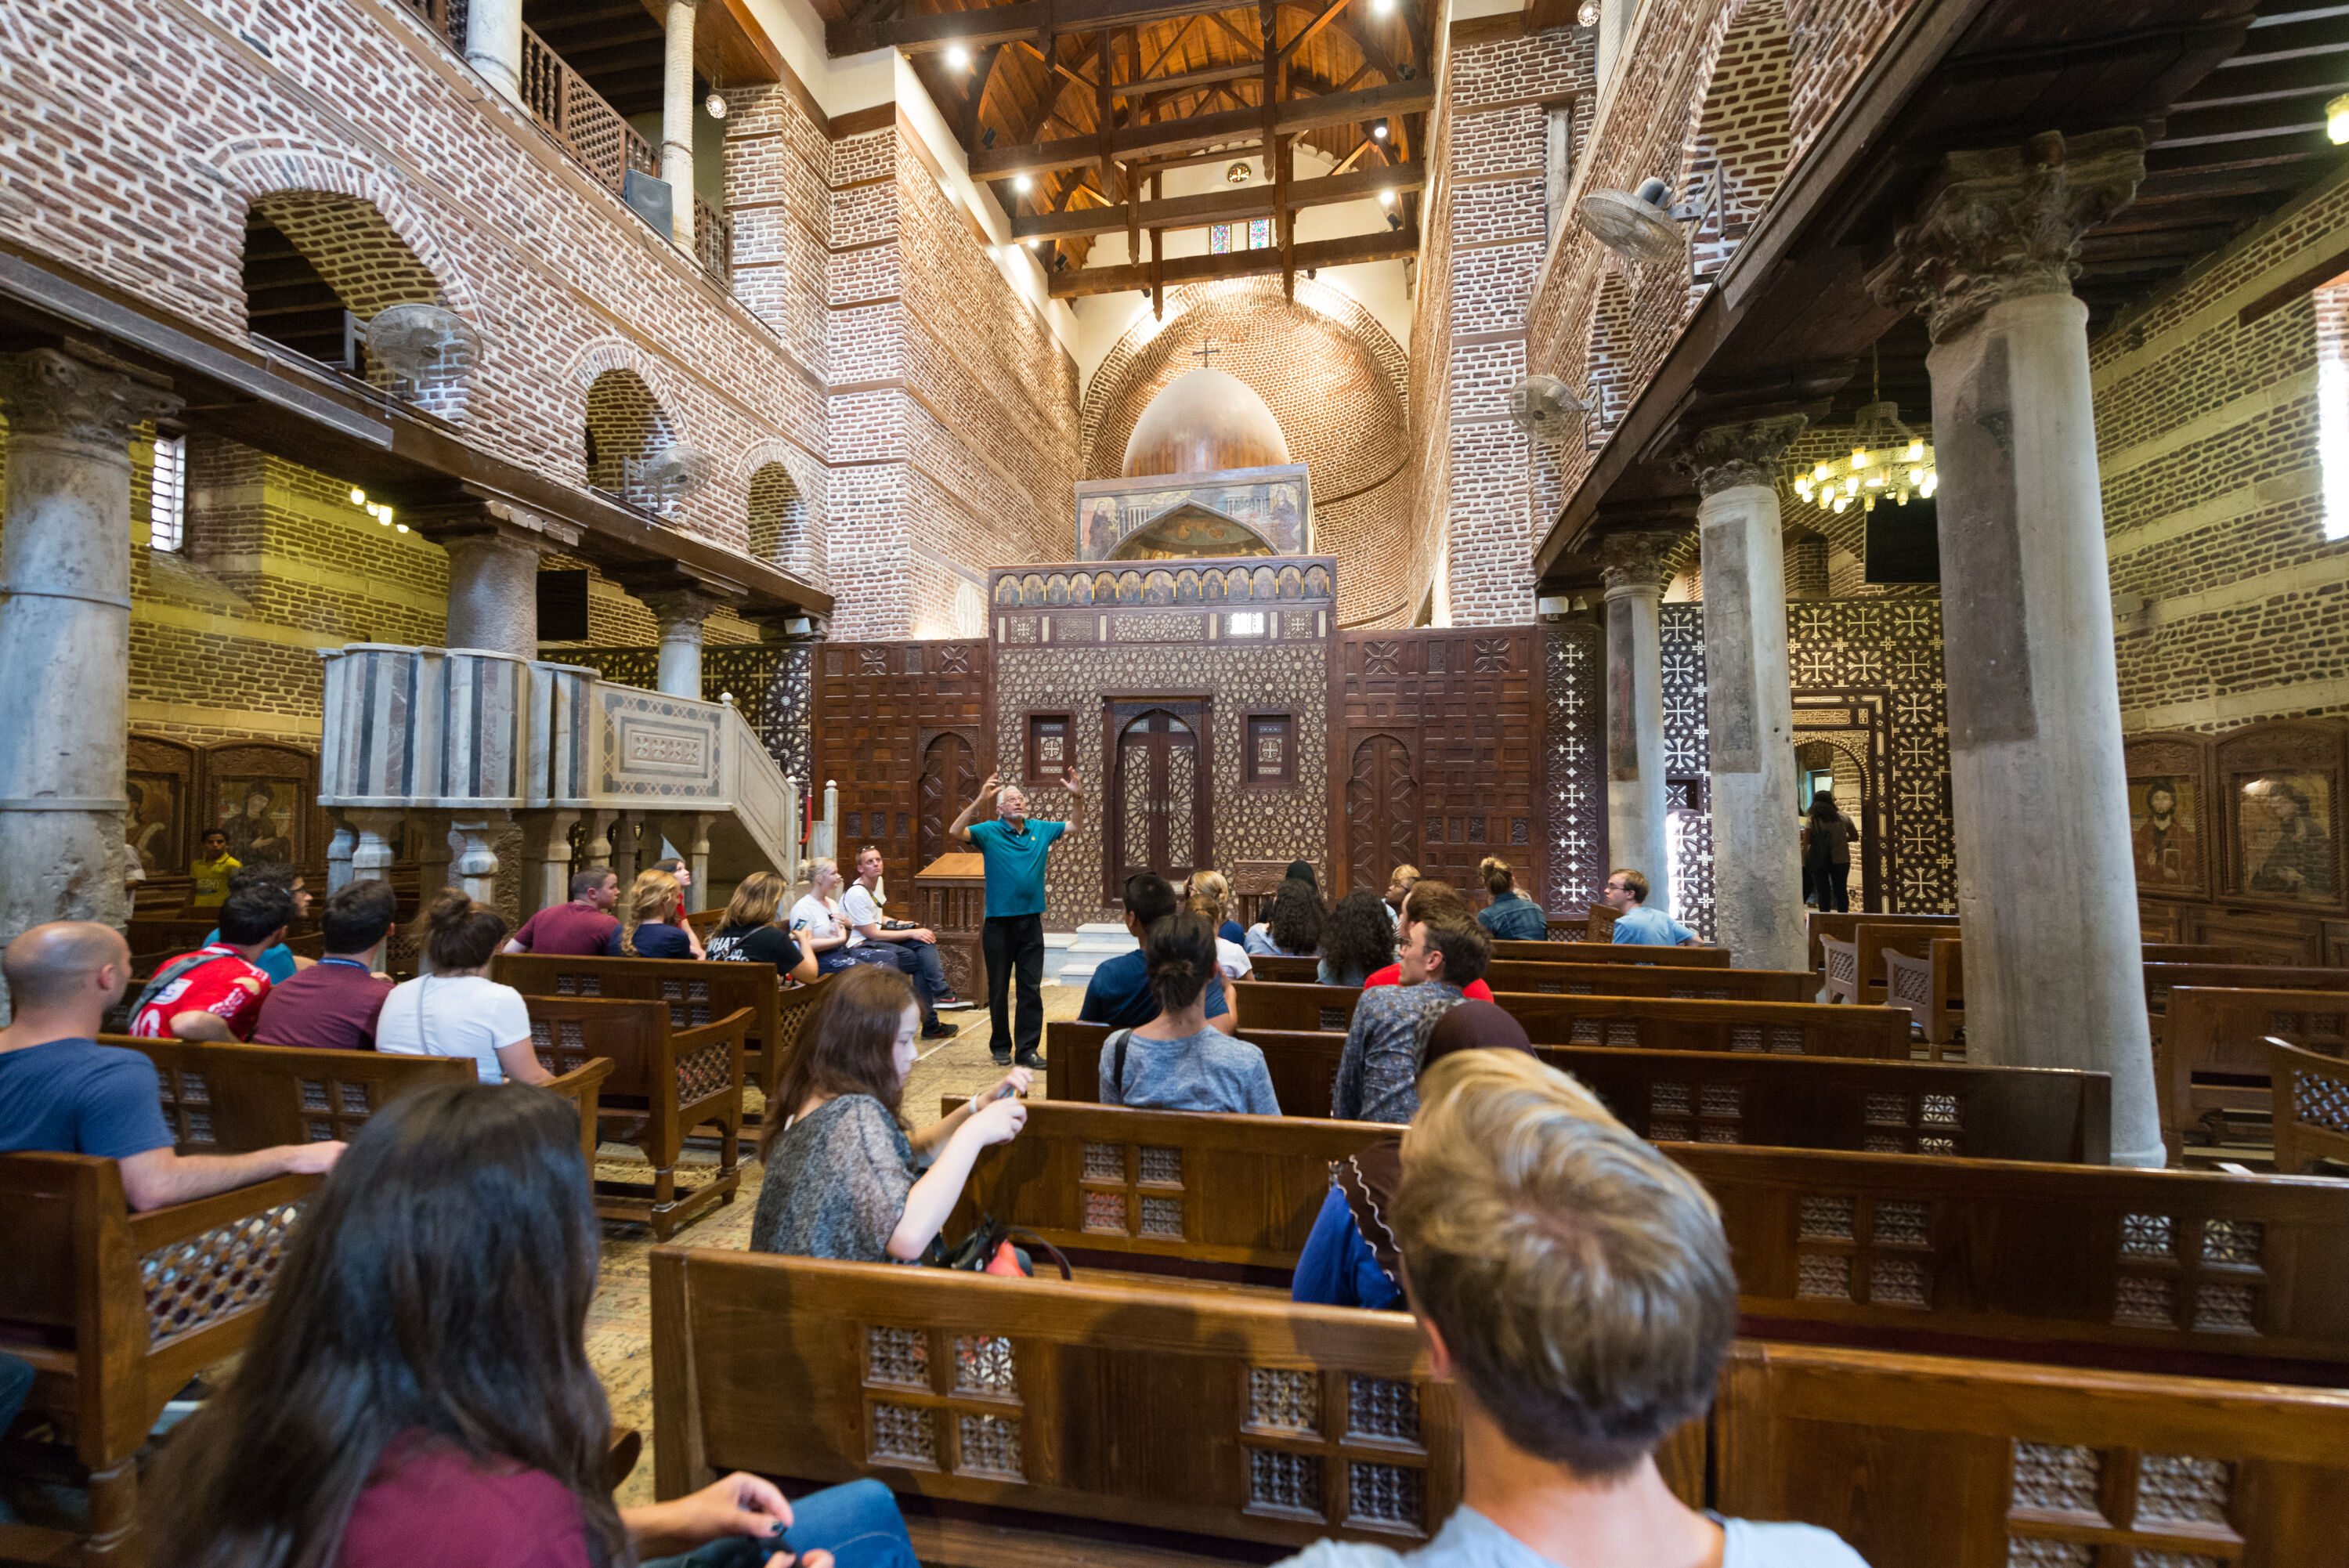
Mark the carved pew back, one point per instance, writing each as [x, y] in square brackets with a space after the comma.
[2312, 1107]
[2018, 1464]
[1933, 990]
[1632, 953]
[670, 1079]
[117, 1310]
[1273, 1004]
[1843, 926]
[697, 993]
[1604, 979]
[2161, 979]
[2213, 1061]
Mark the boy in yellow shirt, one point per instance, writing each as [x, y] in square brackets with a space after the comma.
[212, 870]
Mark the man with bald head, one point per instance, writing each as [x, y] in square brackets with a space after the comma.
[62, 1093]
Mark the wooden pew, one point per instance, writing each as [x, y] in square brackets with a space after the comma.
[2312, 1107]
[1925, 1462]
[665, 1082]
[223, 1098]
[117, 1310]
[2175, 1270]
[1043, 1421]
[1932, 988]
[1713, 1096]
[1855, 968]
[1841, 925]
[1632, 953]
[1515, 970]
[2194, 953]
[2213, 1065]
[1271, 1005]
[2161, 979]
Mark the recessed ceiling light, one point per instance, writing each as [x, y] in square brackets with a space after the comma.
[957, 57]
[1380, 130]
[1021, 183]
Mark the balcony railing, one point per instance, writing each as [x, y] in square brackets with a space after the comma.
[590, 129]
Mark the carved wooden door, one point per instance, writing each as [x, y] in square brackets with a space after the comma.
[949, 779]
[1158, 797]
[1382, 806]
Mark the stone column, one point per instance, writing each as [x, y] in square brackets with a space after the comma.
[677, 110]
[476, 866]
[494, 551]
[690, 834]
[1757, 878]
[1632, 567]
[339, 850]
[372, 857]
[65, 634]
[596, 845]
[2054, 973]
[681, 613]
[435, 849]
[493, 44]
[546, 859]
[625, 842]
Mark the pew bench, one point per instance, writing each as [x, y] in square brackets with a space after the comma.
[2312, 1107]
[1713, 1096]
[1843, 926]
[2212, 1071]
[2161, 979]
[664, 1082]
[1855, 966]
[117, 1310]
[1933, 990]
[1638, 953]
[1717, 984]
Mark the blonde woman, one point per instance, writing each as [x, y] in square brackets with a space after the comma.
[750, 934]
[818, 921]
[653, 926]
[1210, 896]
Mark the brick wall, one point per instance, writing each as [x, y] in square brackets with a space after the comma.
[1336, 383]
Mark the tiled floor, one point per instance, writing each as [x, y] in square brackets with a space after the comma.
[619, 1324]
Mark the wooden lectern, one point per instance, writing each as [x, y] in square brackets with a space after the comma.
[950, 898]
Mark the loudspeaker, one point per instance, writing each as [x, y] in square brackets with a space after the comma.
[651, 200]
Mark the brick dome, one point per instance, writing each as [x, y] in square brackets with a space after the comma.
[1204, 421]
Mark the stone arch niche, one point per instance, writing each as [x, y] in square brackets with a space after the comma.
[1742, 130]
[626, 425]
[783, 530]
[319, 265]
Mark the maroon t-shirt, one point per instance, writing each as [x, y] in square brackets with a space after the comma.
[332, 1005]
[567, 930]
[428, 1502]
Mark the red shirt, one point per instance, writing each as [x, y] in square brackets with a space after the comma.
[428, 1502]
[331, 1005]
[226, 986]
[1393, 976]
[567, 930]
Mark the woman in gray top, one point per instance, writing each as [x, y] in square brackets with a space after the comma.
[844, 1179]
[1177, 1061]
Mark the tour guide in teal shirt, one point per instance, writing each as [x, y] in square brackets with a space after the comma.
[1013, 937]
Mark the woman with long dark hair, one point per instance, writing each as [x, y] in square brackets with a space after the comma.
[1827, 834]
[842, 1177]
[418, 1390]
[1358, 940]
[1293, 926]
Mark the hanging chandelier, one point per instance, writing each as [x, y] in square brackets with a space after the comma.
[1887, 460]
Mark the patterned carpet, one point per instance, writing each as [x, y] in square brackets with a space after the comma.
[619, 1324]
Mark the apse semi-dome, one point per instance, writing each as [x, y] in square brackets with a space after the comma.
[1203, 421]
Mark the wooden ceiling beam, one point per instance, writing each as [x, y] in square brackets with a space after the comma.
[729, 46]
[1354, 249]
[1291, 117]
[1027, 19]
[1328, 15]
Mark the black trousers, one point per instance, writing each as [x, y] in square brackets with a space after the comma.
[1832, 884]
[1009, 943]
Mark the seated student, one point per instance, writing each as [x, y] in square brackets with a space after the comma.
[1511, 916]
[1291, 928]
[215, 993]
[1626, 893]
[1175, 1062]
[1379, 1066]
[63, 1093]
[579, 929]
[750, 934]
[418, 1390]
[843, 1179]
[1208, 895]
[278, 962]
[911, 949]
[333, 1004]
[1426, 898]
[819, 916]
[654, 926]
[1400, 882]
[1119, 993]
[1356, 940]
[1575, 1289]
[456, 1010]
[1350, 1260]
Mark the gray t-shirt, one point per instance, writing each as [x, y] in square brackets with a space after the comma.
[1469, 1539]
[1207, 1072]
[837, 1183]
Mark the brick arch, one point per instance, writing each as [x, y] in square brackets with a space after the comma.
[1740, 122]
[784, 530]
[599, 355]
[625, 420]
[259, 167]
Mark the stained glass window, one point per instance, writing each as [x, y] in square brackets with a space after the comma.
[1259, 233]
[1219, 239]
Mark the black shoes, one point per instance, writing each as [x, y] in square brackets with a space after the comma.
[939, 1031]
[1034, 1060]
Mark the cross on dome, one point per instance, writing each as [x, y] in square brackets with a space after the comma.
[1206, 351]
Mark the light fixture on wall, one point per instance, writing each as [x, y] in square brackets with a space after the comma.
[1587, 16]
[716, 106]
[379, 510]
[2336, 119]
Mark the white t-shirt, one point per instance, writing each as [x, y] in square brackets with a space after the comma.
[821, 918]
[859, 907]
[470, 1016]
[1232, 959]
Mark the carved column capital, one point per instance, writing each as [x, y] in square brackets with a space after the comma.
[49, 393]
[1633, 563]
[681, 611]
[2008, 224]
[1747, 452]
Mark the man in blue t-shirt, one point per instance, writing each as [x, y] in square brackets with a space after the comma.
[1627, 894]
[62, 1093]
[1119, 993]
[1013, 936]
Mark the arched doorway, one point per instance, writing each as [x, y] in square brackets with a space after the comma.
[949, 779]
[1158, 795]
[1381, 811]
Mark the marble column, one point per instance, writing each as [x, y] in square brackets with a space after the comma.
[373, 855]
[1632, 567]
[1757, 875]
[65, 634]
[677, 110]
[546, 859]
[475, 867]
[2052, 965]
[627, 844]
[595, 844]
[682, 614]
[690, 834]
[493, 42]
[339, 850]
[493, 550]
